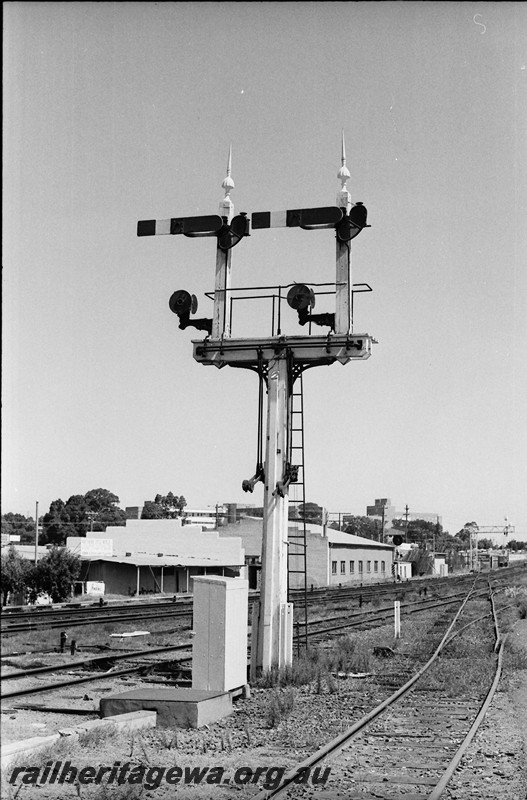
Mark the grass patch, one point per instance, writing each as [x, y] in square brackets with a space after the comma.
[515, 656]
[460, 676]
[281, 704]
[94, 738]
[349, 655]
[302, 671]
[113, 792]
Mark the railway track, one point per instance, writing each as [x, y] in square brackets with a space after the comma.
[376, 617]
[410, 744]
[32, 619]
[106, 661]
[26, 622]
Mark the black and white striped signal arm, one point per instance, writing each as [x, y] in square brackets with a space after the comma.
[347, 225]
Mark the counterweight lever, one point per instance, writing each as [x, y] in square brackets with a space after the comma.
[290, 476]
[259, 475]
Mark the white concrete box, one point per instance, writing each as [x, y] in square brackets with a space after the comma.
[219, 651]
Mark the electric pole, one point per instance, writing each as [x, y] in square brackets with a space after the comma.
[36, 532]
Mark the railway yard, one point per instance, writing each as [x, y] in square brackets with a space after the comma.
[438, 712]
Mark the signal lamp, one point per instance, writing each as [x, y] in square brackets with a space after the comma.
[397, 540]
[351, 224]
[301, 296]
[183, 304]
[302, 299]
[230, 235]
[358, 215]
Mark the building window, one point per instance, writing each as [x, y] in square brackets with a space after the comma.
[383, 566]
[375, 566]
[360, 566]
[342, 567]
[352, 566]
[368, 566]
[333, 567]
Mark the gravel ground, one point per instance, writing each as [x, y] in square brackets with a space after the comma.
[495, 767]
[259, 735]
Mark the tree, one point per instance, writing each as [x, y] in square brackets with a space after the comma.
[311, 512]
[53, 524]
[100, 499]
[75, 515]
[17, 524]
[515, 545]
[103, 509]
[469, 529]
[361, 526]
[65, 519]
[419, 530]
[422, 561]
[485, 544]
[168, 506]
[14, 572]
[152, 510]
[55, 574]
[93, 511]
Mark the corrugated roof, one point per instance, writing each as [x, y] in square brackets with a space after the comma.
[338, 537]
[139, 560]
[250, 530]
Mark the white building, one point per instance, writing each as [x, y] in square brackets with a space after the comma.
[149, 556]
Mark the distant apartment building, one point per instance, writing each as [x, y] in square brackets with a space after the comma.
[384, 509]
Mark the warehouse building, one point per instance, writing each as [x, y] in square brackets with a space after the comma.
[150, 556]
[333, 557]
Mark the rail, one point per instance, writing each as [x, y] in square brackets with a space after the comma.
[343, 740]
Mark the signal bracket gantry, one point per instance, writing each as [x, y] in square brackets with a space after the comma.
[278, 360]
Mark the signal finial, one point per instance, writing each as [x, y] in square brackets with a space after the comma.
[343, 197]
[226, 205]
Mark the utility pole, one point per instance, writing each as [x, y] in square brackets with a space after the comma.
[406, 522]
[36, 532]
[278, 360]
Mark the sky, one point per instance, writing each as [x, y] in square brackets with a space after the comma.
[119, 112]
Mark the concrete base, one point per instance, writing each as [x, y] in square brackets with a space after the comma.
[176, 708]
[27, 748]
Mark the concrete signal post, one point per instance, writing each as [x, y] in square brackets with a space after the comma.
[279, 360]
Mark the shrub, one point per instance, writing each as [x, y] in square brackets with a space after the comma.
[14, 573]
[302, 671]
[515, 656]
[280, 706]
[351, 655]
[55, 574]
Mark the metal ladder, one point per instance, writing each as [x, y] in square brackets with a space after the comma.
[297, 535]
